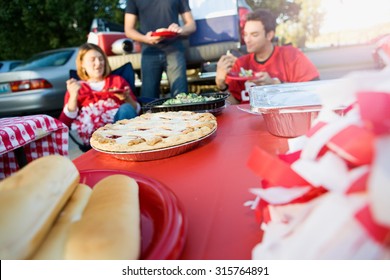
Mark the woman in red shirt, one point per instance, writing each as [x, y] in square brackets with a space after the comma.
[99, 97]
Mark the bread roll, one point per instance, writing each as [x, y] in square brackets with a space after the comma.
[110, 226]
[53, 246]
[30, 201]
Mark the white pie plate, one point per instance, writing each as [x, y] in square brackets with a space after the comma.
[158, 153]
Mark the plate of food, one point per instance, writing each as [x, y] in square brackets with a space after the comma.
[163, 223]
[242, 75]
[164, 32]
[206, 102]
[153, 136]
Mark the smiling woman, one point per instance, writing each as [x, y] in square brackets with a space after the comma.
[99, 98]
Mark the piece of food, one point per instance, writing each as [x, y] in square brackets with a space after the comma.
[116, 90]
[30, 201]
[161, 29]
[53, 246]
[152, 131]
[109, 228]
[245, 73]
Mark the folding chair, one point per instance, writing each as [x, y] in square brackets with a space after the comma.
[127, 72]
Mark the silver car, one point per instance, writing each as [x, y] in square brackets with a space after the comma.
[38, 85]
[8, 65]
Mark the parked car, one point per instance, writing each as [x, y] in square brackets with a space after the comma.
[8, 65]
[38, 85]
[381, 53]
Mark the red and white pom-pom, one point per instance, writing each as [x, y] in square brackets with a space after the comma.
[93, 116]
[329, 197]
[324, 229]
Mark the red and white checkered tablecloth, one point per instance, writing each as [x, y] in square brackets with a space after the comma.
[39, 135]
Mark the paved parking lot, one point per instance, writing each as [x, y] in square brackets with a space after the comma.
[74, 150]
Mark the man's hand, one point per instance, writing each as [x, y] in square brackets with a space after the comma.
[174, 27]
[263, 78]
[224, 65]
[152, 40]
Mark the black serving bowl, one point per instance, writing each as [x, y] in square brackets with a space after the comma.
[212, 106]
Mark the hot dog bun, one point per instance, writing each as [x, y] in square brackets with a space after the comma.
[30, 201]
[110, 225]
[53, 247]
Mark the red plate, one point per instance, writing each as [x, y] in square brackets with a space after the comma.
[117, 90]
[166, 34]
[236, 76]
[163, 225]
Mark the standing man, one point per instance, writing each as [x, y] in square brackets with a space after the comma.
[160, 53]
[270, 64]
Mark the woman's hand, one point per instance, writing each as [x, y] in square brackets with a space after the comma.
[121, 94]
[73, 86]
[125, 96]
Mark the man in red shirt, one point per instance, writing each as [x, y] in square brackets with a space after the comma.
[269, 64]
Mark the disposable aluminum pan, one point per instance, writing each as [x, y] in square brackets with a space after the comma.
[290, 122]
[288, 109]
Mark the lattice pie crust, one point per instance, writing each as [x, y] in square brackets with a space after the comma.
[152, 131]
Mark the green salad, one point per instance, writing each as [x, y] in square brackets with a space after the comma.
[184, 98]
[245, 72]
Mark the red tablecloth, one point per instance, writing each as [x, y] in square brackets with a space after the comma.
[212, 182]
[38, 135]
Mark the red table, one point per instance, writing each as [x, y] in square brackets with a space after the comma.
[23, 139]
[212, 182]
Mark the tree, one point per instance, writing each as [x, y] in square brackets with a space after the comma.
[306, 27]
[298, 20]
[31, 26]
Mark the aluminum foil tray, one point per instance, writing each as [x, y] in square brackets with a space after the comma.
[212, 106]
[285, 95]
[292, 123]
[288, 109]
